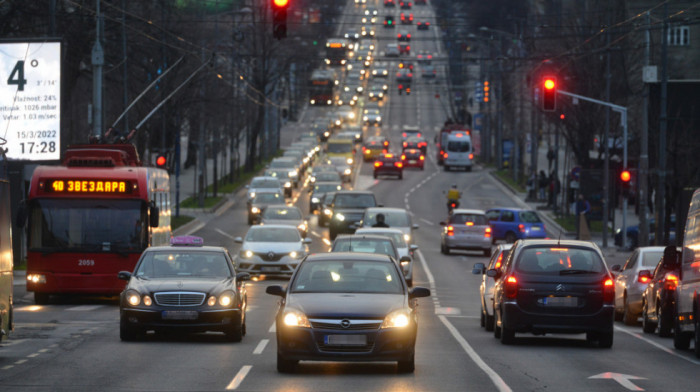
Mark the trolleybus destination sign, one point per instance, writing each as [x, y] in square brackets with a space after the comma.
[30, 99]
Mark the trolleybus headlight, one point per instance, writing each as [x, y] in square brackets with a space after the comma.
[36, 278]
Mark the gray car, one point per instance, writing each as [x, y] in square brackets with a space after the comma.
[262, 184]
[271, 250]
[405, 250]
[397, 218]
[285, 215]
[466, 230]
[629, 285]
[374, 243]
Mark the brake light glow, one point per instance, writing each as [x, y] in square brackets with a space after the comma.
[389, 155]
[471, 156]
[643, 279]
[386, 143]
[450, 231]
[498, 261]
[487, 232]
[469, 223]
[608, 290]
[510, 288]
[521, 227]
[405, 144]
[444, 155]
[377, 163]
[558, 249]
[398, 164]
[670, 282]
[422, 158]
[403, 157]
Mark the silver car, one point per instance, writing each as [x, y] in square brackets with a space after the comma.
[262, 184]
[402, 247]
[285, 215]
[466, 230]
[488, 283]
[396, 218]
[629, 285]
[271, 250]
[372, 243]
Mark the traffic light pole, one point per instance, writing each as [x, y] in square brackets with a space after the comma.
[623, 120]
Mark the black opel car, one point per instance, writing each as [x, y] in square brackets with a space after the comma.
[551, 286]
[183, 287]
[347, 209]
[347, 307]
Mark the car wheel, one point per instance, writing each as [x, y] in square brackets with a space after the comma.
[482, 321]
[401, 176]
[507, 335]
[285, 365]
[510, 237]
[647, 325]
[490, 322]
[469, 168]
[664, 317]
[628, 317]
[496, 328]
[41, 298]
[487, 252]
[375, 175]
[234, 333]
[250, 220]
[407, 366]
[696, 337]
[605, 339]
[128, 333]
[447, 168]
[681, 340]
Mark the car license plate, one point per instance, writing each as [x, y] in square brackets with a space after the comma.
[564, 302]
[179, 315]
[535, 228]
[345, 340]
[270, 269]
[412, 161]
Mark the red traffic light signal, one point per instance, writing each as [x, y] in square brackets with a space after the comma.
[549, 93]
[625, 176]
[161, 161]
[279, 18]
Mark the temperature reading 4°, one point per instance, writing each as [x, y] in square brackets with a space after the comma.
[17, 76]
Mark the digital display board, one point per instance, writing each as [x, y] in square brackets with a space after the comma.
[88, 186]
[30, 99]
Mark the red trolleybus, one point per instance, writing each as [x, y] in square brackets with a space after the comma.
[92, 217]
[321, 87]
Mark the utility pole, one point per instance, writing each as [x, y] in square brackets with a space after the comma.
[125, 68]
[98, 60]
[606, 140]
[661, 186]
[644, 153]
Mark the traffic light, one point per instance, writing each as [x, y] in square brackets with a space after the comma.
[625, 178]
[487, 89]
[549, 94]
[279, 18]
[162, 161]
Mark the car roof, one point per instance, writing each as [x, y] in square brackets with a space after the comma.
[354, 192]
[372, 230]
[467, 211]
[559, 243]
[349, 256]
[510, 209]
[386, 209]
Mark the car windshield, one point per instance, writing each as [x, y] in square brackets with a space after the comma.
[458, 146]
[282, 164]
[381, 246]
[557, 260]
[282, 213]
[347, 276]
[391, 218]
[265, 183]
[268, 198]
[397, 238]
[183, 264]
[273, 234]
[530, 217]
[327, 176]
[651, 258]
[474, 219]
[339, 147]
[354, 200]
[322, 188]
[278, 173]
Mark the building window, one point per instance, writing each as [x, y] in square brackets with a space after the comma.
[679, 36]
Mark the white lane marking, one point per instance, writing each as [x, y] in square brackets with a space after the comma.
[657, 345]
[261, 346]
[236, 382]
[8, 367]
[21, 361]
[273, 328]
[195, 229]
[426, 221]
[495, 378]
[622, 379]
[44, 350]
[225, 207]
[84, 308]
[225, 234]
[448, 311]
[33, 355]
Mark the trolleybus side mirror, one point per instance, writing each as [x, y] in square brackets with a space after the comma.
[154, 213]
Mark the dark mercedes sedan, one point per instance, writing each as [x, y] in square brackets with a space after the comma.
[347, 307]
[184, 287]
[550, 286]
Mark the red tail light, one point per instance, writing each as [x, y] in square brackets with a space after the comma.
[487, 232]
[422, 158]
[403, 157]
[450, 231]
[608, 290]
[469, 223]
[408, 35]
[398, 164]
[670, 282]
[444, 155]
[398, 35]
[405, 144]
[410, 75]
[386, 144]
[471, 156]
[377, 163]
[521, 228]
[643, 279]
[510, 288]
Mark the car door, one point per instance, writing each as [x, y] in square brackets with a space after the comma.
[494, 221]
[623, 277]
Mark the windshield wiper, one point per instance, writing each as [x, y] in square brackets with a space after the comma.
[576, 272]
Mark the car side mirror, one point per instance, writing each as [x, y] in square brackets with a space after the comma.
[124, 275]
[616, 268]
[406, 259]
[671, 258]
[242, 276]
[479, 269]
[307, 240]
[418, 292]
[247, 187]
[493, 273]
[413, 247]
[415, 226]
[238, 240]
[276, 290]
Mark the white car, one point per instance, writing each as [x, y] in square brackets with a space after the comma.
[271, 250]
[397, 218]
[488, 283]
[404, 249]
[264, 184]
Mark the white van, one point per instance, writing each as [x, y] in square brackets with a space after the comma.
[688, 290]
[459, 152]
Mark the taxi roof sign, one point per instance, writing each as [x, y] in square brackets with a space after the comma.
[187, 240]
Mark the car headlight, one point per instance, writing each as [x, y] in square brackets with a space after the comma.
[293, 254]
[312, 179]
[255, 210]
[351, 115]
[295, 318]
[381, 95]
[374, 72]
[337, 122]
[293, 173]
[226, 299]
[365, 118]
[302, 226]
[326, 134]
[246, 254]
[397, 319]
[407, 237]
[379, 119]
[251, 195]
[315, 200]
[347, 172]
[350, 161]
[340, 217]
[287, 184]
[133, 298]
[328, 212]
